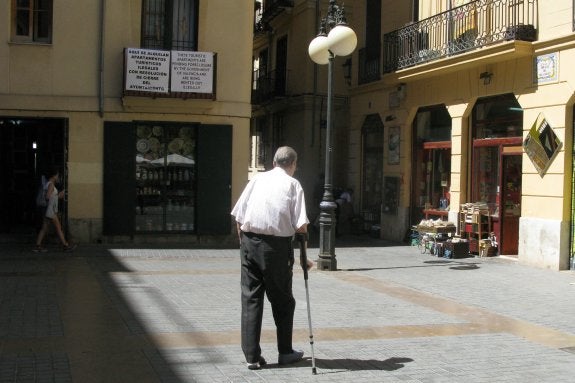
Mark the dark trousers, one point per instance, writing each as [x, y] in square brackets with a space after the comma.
[267, 269]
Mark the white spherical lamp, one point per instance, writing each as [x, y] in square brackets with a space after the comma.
[342, 40]
[318, 50]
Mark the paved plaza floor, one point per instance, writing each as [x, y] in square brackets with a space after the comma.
[388, 314]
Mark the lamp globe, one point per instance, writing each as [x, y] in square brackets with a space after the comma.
[342, 40]
[318, 50]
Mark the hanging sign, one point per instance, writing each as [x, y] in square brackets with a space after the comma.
[541, 144]
[147, 70]
[192, 71]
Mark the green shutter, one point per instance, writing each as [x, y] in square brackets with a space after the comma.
[214, 156]
[119, 178]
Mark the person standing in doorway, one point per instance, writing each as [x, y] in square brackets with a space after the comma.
[270, 210]
[51, 214]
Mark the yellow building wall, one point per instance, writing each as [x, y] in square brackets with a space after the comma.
[62, 79]
[455, 82]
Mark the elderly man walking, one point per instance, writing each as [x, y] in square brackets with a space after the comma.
[270, 210]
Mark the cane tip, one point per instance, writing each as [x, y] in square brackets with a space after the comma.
[314, 371]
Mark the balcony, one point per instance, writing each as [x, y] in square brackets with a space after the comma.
[268, 86]
[267, 12]
[468, 27]
[369, 65]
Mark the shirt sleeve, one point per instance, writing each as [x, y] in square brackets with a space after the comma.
[239, 209]
[299, 214]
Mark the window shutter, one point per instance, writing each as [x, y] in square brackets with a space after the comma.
[214, 156]
[119, 178]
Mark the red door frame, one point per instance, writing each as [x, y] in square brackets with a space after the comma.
[501, 143]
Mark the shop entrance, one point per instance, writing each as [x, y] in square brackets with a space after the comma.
[495, 182]
[431, 164]
[28, 148]
[511, 203]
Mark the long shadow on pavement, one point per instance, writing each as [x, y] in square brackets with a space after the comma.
[349, 364]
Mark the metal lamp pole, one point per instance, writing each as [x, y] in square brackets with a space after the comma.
[334, 39]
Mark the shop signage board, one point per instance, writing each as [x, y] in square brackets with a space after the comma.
[541, 144]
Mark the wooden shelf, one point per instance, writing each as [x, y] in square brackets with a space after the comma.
[474, 226]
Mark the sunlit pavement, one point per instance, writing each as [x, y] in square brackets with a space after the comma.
[389, 314]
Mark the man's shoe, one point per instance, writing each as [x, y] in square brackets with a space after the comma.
[257, 365]
[292, 357]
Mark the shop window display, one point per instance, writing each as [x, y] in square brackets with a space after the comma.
[432, 164]
[165, 178]
[486, 171]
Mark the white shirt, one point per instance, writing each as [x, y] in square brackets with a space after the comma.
[272, 203]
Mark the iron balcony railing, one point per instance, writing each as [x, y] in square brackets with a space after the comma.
[369, 65]
[461, 29]
[267, 86]
[268, 11]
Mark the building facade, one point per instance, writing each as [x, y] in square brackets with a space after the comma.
[289, 96]
[457, 110]
[474, 102]
[143, 105]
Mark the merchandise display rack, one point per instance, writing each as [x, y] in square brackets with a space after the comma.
[474, 224]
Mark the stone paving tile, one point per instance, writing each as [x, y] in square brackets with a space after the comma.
[184, 303]
[35, 368]
[166, 294]
[29, 308]
[481, 358]
[506, 288]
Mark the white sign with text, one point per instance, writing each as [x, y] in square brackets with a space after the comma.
[147, 70]
[192, 72]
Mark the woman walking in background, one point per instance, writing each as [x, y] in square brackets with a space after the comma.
[51, 215]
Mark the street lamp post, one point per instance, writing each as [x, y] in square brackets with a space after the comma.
[335, 38]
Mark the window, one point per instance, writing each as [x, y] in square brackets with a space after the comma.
[170, 24]
[281, 66]
[257, 144]
[373, 29]
[372, 167]
[32, 21]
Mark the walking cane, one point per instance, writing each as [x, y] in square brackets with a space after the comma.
[303, 262]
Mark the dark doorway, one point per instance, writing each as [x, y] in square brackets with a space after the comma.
[28, 148]
[511, 203]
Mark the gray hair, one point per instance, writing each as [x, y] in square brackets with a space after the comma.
[285, 157]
